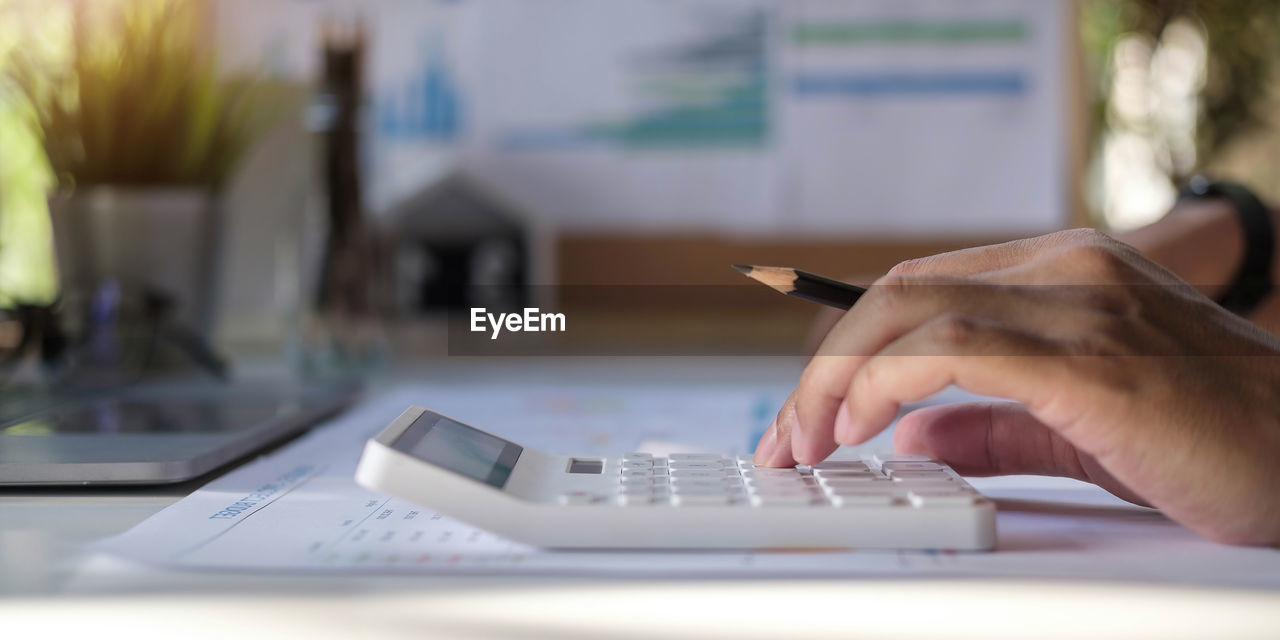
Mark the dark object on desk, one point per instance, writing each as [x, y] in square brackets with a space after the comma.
[804, 285]
[347, 269]
[151, 435]
[459, 244]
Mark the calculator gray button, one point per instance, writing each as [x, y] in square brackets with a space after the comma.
[855, 487]
[637, 473]
[640, 464]
[771, 473]
[881, 458]
[636, 482]
[782, 486]
[697, 473]
[695, 457]
[841, 465]
[676, 464]
[822, 473]
[716, 480]
[780, 482]
[705, 488]
[911, 466]
[637, 455]
[930, 476]
[853, 482]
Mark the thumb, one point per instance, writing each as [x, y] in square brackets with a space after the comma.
[999, 438]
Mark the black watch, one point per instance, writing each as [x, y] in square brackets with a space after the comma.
[1252, 282]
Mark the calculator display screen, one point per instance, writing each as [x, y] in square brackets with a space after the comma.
[461, 449]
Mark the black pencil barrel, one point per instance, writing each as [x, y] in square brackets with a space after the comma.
[833, 293]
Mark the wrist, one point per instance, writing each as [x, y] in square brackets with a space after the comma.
[1200, 240]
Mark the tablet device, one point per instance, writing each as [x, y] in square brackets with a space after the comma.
[152, 434]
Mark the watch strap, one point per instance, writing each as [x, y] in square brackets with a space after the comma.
[1252, 281]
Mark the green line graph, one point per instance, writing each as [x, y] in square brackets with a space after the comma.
[954, 32]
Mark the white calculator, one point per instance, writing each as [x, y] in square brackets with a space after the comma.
[680, 501]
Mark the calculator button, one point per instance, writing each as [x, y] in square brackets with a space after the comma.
[864, 485]
[798, 485]
[854, 483]
[636, 455]
[638, 464]
[697, 473]
[636, 482]
[840, 465]
[719, 481]
[694, 485]
[677, 464]
[881, 458]
[703, 489]
[911, 466]
[771, 473]
[694, 457]
[848, 475]
[911, 476]
[759, 479]
[637, 473]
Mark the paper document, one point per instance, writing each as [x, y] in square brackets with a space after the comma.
[298, 509]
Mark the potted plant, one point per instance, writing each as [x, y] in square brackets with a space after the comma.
[142, 130]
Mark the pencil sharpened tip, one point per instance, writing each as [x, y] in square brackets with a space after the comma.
[743, 268]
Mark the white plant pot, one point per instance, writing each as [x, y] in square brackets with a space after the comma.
[140, 240]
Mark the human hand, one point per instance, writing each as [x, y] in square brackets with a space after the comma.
[1120, 374]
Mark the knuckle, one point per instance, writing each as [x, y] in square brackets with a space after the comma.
[1082, 236]
[953, 330]
[891, 292]
[909, 267]
[1098, 260]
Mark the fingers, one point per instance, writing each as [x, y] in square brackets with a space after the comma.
[1000, 438]
[977, 355]
[774, 449]
[894, 309]
[986, 439]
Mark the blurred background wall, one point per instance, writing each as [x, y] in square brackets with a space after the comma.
[646, 142]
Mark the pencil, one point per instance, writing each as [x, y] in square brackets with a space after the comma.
[804, 285]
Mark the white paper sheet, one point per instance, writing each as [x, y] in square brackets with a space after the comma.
[299, 510]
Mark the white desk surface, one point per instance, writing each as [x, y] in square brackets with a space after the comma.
[46, 587]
